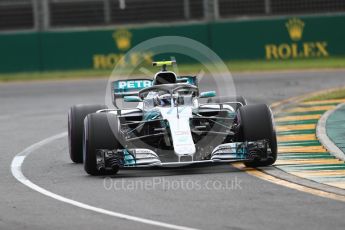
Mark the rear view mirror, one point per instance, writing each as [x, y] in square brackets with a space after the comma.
[207, 94]
[132, 99]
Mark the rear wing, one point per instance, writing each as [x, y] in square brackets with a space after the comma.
[131, 87]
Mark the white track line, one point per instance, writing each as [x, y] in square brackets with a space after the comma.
[16, 169]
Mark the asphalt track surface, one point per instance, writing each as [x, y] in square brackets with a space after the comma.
[31, 112]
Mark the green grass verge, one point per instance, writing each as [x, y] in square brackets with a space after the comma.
[335, 94]
[234, 66]
[296, 64]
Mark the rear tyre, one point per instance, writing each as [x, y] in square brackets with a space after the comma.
[240, 99]
[256, 123]
[98, 134]
[76, 116]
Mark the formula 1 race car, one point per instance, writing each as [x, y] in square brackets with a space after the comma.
[170, 127]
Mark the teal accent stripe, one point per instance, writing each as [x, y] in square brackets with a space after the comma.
[299, 122]
[296, 132]
[313, 167]
[300, 143]
[301, 113]
[305, 156]
[289, 153]
[318, 104]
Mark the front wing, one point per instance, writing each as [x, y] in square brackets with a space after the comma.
[224, 153]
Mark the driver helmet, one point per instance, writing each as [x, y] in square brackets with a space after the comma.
[165, 100]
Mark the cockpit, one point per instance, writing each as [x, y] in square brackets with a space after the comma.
[169, 96]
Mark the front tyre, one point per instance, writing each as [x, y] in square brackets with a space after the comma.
[256, 123]
[76, 116]
[100, 132]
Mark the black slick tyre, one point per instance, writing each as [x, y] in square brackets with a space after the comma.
[76, 116]
[100, 132]
[256, 123]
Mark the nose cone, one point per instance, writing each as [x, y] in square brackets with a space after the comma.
[182, 138]
[188, 149]
[180, 130]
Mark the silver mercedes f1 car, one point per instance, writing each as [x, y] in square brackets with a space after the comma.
[170, 127]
